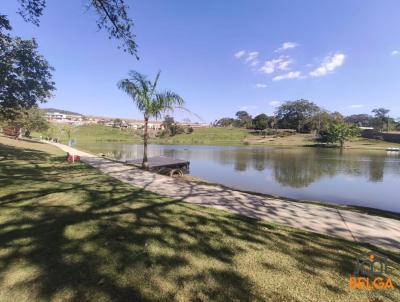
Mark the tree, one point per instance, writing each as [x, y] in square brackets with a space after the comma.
[340, 132]
[337, 117]
[297, 115]
[225, 122]
[381, 114]
[243, 119]
[25, 76]
[150, 102]
[168, 122]
[28, 120]
[170, 127]
[260, 122]
[68, 130]
[112, 15]
[117, 123]
[321, 120]
[361, 120]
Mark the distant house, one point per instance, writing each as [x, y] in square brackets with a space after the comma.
[56, 117]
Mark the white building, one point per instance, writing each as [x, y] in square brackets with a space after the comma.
[56, 116]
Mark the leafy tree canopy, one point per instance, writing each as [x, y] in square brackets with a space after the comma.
[112, 16]
[340, 132]
[243, 119]
[260, 122]
[25, 75]
[382, 116]
[28, 120]
[225, 122]
[362, 120]
[381, 112]
[168, 122]
[297, 114]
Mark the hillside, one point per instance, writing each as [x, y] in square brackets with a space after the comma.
[88, 135]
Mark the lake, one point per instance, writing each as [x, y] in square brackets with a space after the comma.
[352, 177]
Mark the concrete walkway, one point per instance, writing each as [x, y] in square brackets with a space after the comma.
[379, 231]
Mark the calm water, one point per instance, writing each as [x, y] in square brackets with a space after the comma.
[365, 178]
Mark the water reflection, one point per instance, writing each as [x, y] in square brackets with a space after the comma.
[366, 178]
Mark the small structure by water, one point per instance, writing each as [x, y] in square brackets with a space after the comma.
[165, 165]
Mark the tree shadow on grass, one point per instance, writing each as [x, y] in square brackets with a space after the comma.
[69, 233]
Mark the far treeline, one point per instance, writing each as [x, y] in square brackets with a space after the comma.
[304, 116]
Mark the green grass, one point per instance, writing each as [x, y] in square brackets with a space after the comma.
[96, 133]
[70, 233]
[88, 135]
[201, 136]
[208, 136]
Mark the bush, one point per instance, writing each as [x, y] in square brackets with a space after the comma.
[188, 130]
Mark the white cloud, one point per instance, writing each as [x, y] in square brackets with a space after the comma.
[254, 63]
[275, 103]
[329, 64]
[269, 66]
[251, 58]
[395, 52]
[282, 63]
[287, 76]
[287, 45]
[356, 106]
[240, 54]
[261, 85]
[247, 107]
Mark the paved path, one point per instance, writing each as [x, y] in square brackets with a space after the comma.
[341, 223]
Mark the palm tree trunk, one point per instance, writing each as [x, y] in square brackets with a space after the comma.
[145, 163]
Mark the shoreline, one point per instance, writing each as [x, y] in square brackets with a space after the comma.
[355, 208]
[317, 218]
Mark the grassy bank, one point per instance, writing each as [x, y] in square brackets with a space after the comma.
[69, 233]
[89, 134]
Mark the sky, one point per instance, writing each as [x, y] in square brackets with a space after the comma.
[226, 56]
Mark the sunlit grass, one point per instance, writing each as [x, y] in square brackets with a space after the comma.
[88, 135]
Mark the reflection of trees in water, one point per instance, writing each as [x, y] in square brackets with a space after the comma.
[300, 167]
[376, 169]
[290, 167]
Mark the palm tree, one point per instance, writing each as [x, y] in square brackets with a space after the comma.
[150, 102]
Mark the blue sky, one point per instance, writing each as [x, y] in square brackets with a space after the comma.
[222, 56]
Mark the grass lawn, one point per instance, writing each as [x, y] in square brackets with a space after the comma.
[69, 233]
[208, 136]
[96, 133]
[88, 135]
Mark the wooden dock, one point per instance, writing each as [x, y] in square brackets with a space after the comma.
[164, 165]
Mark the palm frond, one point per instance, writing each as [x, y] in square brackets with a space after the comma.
[135, 92]
[141, 80]
[153, 89]
[143, 92]
[169, 99]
